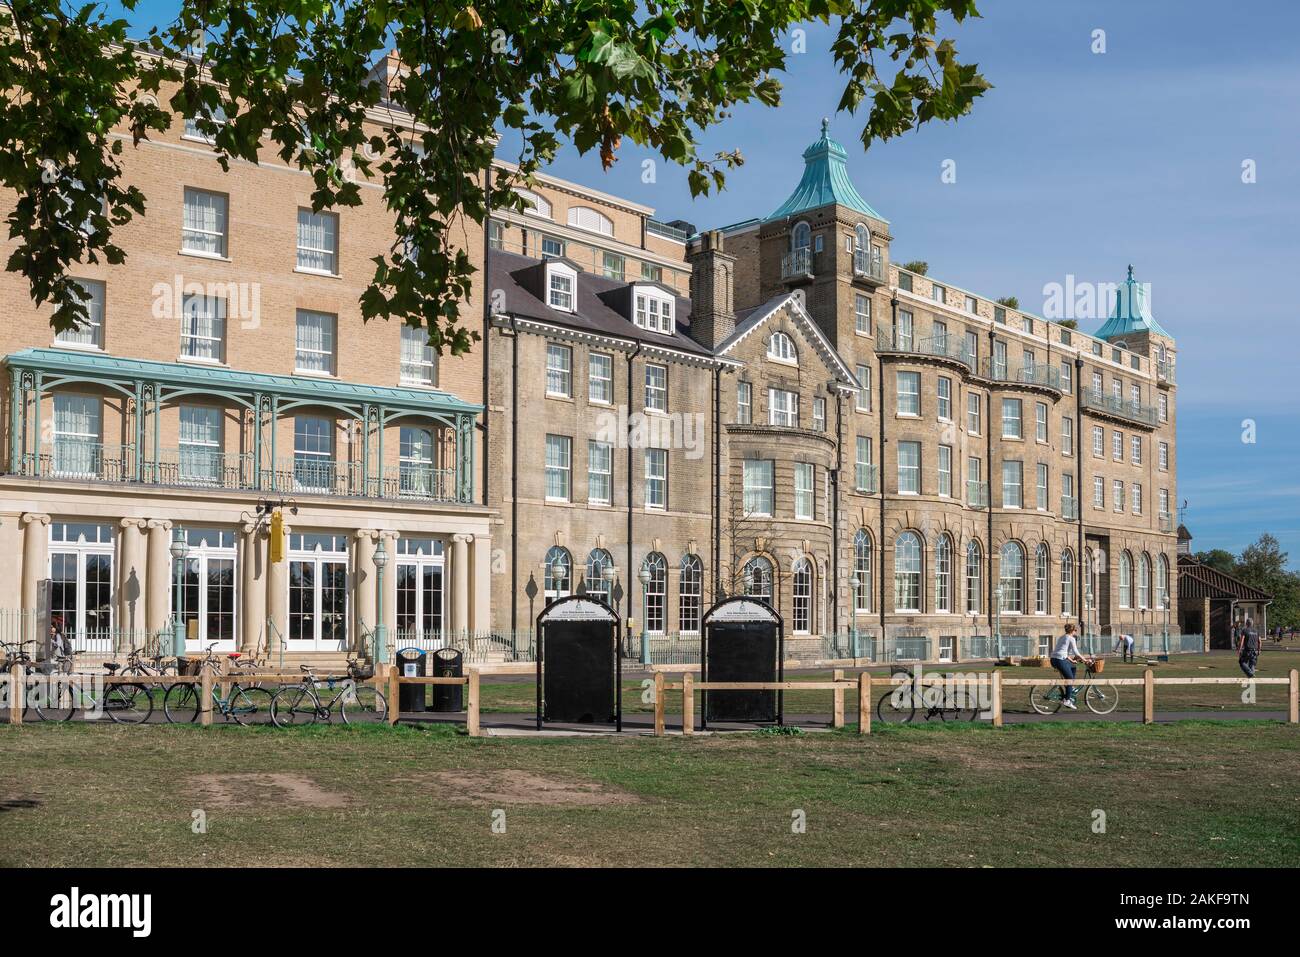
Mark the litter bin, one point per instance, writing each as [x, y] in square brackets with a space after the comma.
[448, 663]
[410, 664]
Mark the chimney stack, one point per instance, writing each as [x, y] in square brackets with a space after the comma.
[713, 315]
[387, 73]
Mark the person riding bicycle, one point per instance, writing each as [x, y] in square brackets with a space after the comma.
[1064, 653]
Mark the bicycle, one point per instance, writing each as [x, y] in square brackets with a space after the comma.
[243, 704]
[123, 703]
[902, 703]
[1100, 698]
[301, 704]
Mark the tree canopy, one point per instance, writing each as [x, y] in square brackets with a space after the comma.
[295, 75]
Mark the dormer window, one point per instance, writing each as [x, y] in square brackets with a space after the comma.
[561, 283]
[780, 348]
[584, 217]
[654, 311]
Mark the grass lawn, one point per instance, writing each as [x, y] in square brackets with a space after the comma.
[1194, 793]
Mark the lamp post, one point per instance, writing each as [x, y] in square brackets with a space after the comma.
[381, 629]
[854, 583]
[997, 620]
[557, 573]
[180, 550]
[607, 575]
[643, 576]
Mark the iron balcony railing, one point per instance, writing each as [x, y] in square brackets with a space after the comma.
[1122, 408]
[656, 228]
[1037, 375]
[1069, 508]
[867, 478]
[868, 266]
[798, 264]
[977, 494]
[1166, 522]
[939, 347]
[1165, 370]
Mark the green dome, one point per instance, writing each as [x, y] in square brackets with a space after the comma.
[825, 181]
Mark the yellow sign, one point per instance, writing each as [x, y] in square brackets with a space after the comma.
[277, 536]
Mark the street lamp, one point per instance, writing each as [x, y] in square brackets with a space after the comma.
[607, 575]
[997, 619]
[854, 583]
[557, 573]
[381, 630]
[180, 550]
[643, 576]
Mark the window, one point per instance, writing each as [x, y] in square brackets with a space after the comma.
[1040, 421]
[652, 272]
[1013, 484]
[1162, 582]
[1164, 501]
[903, 334]
[974, 476]
[862, 476]
[656, 387]
[801, 591]
[973, 413]
[1067, 376]
[862, 590]
[1011, 578]
[600, 466]
[583, 217]
[655, 592]
[999, 359]
[1135, 449]
[203, 228]
[974, 577]
[1041, 487]
[77, 430]
[1137, 499]
[864, 393]
[315, 345]
[905, 281]
[1097, 383]
[597, 561]
[1011, 425]
[600, 378]
[1164, 407]
[654, 312]
[192, 131]
[415, 464]
[1125, 580]
[496, 235]
[803, 491]
[318, 241]
[909, 468]
[534, 205]
[1117, 494]
[199, 439]
[744, 403]
[81, 580]
[552, 248]
[909, 393]
[419, 361]
[937, 292]
[1040, 580]
[1098, 441]
[559, 289]
[907, 572]
[757, 579]
[943, 575]
[939, 337]
[557, 580]
[1000, 314]
[656, 478]
[782, 408]
[819, 414]
[1117, 389]
[862, 314]
[1144, 581]
[1067, 582]
[780, 347]
[313, 453]
[759, 487]
[800, 237]
[972, 304]
[972, 347]
[690, 583]
[1164, 456]
[559, 370]
[1117, 446]
[945, 398]
[559, 449]
[203, 328]
[1135, 394]
[1067, 436]
[945, 471]
[1098, 492]
[613, 266]
[90, 293]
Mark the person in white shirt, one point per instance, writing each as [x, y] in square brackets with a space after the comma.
[1064, 653]
[1125, 643]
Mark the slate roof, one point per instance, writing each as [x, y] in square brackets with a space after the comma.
[1196, 580]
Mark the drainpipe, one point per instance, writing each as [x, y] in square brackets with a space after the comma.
[880, 471]
[988, 443]
[487, 330]
[514, 476]
[1078, 481]
[835, 512]
[631, 577]
[717, 482]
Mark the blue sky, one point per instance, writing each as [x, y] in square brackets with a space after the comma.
[1080, 163]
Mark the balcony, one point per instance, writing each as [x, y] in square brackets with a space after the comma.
[1118, 408]
[798, 266]
[977, 494]
[947, 347]
[1038, 376]
[1166, 522]
[866, 479]
[1165, 371]
[1069, 508]
[868, 268]
[656, 228]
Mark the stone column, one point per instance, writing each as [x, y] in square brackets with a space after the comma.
[36, 558]
[460, 583]
[132, 582]
[363, 577]
[158, 577]
[390, 585]
[480, 610]
[252, 589]
[277, 603]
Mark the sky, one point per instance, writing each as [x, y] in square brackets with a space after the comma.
[1078, 163]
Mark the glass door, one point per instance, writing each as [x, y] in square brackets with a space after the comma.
[421, 596]
[208, 590]
[81, 583]
[318, 592]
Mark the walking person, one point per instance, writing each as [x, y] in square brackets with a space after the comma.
[1064, 653]
[1248, 650]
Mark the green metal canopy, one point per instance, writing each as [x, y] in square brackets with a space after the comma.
[825, 181]
[1132, 312]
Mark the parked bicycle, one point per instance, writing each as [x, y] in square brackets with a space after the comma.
[244, 704]
[1100, 698]
[355, 700]
[60, 695]
[902, 703]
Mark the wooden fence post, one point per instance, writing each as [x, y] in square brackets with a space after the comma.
[471, 716]
[1148, 696]
[17, 692]
[864, 703]
[1294, 716]
[659, 704]
[837, 718]
[394, 694]
[997, 699]
[205, 698]
[688, 703]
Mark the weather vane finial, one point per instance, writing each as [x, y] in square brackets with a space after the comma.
[826, 124]
[1130, 272]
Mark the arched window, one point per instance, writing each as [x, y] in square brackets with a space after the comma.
[534, 204]
[655, 591]
[1011, 578]
[781, 348]
[802, 592]
[558, 573]
[1067, 583]
[907, 572]
[943, 574]
[597, 562]
[1041, 559]
[689, 590]
[1125, 580]
[801, 237]
[861, 238]
[862, 567]
[1089, 581]
[1162, 581]
[584, 217]
[1144, 581]
[974, 577]
[757, 578]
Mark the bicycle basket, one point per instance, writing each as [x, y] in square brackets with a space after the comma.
[1099, 666]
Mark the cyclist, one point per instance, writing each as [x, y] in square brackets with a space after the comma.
[1064, 653]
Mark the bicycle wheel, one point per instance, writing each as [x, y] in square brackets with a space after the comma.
[293, 706]
[181, 703]
[1045, 699]
[896, 707]
[128, 704]
[249, 706]
[1102, 699]
[54, 700]
[368, 706]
